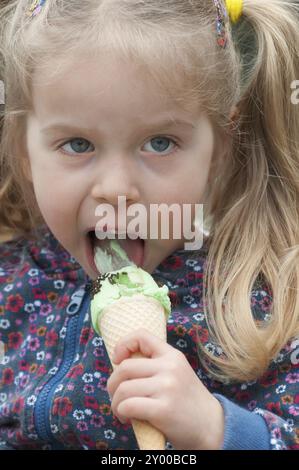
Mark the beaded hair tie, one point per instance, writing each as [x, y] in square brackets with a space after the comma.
[35, 8]
[232, 10]
[221, 24]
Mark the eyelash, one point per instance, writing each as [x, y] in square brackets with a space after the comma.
[171, 139]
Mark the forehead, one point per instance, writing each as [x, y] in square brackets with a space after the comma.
[105, 82]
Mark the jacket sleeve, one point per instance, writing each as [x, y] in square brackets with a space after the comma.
[274, 422]
[243, 430]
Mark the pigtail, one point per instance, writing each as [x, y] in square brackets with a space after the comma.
[16, 218]
[255, 236]
[2, 102]
[2, 88]
[3, 227]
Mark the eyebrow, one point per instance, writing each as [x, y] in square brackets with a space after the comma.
[146, 127]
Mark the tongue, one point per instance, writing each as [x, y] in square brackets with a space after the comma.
[134, 249]
[111, 255]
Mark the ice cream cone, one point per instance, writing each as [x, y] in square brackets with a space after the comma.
[121, 318]
[124, 299]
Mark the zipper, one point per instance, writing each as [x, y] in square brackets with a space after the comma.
[74, 327]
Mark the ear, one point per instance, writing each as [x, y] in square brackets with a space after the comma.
[234, 113]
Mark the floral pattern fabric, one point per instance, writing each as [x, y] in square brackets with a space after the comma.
[55, 368]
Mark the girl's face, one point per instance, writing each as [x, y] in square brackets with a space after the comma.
[101, 130]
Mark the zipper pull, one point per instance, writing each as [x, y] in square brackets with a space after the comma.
[75, 303]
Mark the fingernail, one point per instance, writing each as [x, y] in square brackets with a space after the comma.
[123, 420]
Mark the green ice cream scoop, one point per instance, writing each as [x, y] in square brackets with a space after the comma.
[125, 282]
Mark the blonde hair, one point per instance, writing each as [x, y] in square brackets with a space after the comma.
[253, 196]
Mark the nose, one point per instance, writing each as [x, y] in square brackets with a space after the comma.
[117, 178]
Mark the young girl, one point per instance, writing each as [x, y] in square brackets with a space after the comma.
[215, 82]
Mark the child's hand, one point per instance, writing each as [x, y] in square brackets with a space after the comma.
[163, 389]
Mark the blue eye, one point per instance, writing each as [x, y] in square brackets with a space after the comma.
[158, 145]
[161, 144]
[78, 145]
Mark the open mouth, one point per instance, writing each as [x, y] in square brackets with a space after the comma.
[133, 248]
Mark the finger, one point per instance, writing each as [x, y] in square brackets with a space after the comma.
[142, 408]
[131, 369]
[132, 389]
[139, 341]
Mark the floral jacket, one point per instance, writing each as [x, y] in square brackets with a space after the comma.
[54, 368]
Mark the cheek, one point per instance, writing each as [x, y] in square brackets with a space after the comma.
[197, 179]
[59, 212]
[189, 187]
[189, 182]
[55, 194]
[58, 187]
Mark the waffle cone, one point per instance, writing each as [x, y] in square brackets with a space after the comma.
[122, 318]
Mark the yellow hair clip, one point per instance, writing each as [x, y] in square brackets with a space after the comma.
[234, 9]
